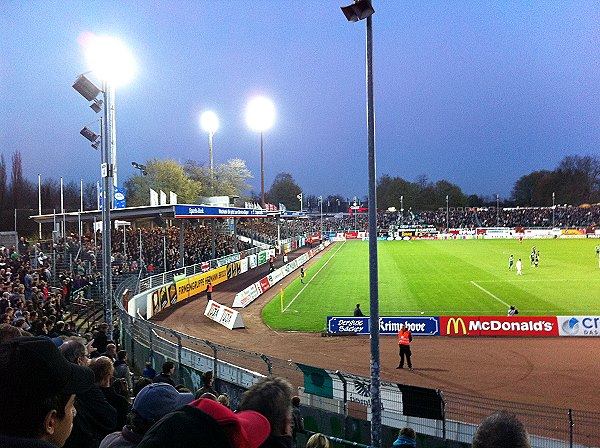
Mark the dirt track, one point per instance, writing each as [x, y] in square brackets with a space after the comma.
[561, 372]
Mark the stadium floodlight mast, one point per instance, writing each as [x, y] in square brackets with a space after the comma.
[321, 204]
[447, 215]
[210, 124]
[401, 211]
[359, 10]
[497, 210]
[299, 196]
[113, 64]
[552, 209]
[260, 115]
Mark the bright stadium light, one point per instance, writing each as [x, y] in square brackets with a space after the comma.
[260, 115]
[109, 59]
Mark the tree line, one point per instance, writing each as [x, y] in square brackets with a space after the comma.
[575, 181]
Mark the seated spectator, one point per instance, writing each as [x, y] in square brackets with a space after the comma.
[407, 438]
[9, 332]
[140, 384]
[152, 403]
[149, 372]
[168, 369]
[101, 339]
[95, 416]
[272, 397]
[103, 372]
[317, 440]
[47, 384]
[207, 424]
[207, 380]
[500, 430]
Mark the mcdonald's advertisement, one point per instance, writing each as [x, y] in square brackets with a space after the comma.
[499, 326]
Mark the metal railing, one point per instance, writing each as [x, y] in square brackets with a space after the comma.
[343, 411]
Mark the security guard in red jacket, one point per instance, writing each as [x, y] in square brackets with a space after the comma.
[404, 340]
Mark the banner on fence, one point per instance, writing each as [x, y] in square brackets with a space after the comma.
[498, 326]
[419, 326]
[160, 298]
[578, 325]
[196, 284]
[223, 315]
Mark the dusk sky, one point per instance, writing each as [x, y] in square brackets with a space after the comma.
[477, 93]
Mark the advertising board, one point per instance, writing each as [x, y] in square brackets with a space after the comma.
[498, 326]
[419, 326]
[578, 325]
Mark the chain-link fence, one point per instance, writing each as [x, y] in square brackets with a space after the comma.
[338, 403]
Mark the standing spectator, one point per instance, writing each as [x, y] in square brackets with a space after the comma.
[122, 369]
[500, 430]
[407, 438]
[38, 390]
[272, 397]
[297, 419]
[111, 352]
[101, 339]
[103, 372]
[207, 385]
[168, 369]
[149, 372]
[95, 416]
[404, 340]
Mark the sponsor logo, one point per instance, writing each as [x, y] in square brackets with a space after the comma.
[196, 211]
[456, 323]
[571, 326]
[119, 196]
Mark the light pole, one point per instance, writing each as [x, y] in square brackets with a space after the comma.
[497, 209]
[552, 209]
[447, 215]
[362, 9]
[299, 196]
[260, 115]
[321, 204]
[401, 211]
[210, 123]
[112, 62]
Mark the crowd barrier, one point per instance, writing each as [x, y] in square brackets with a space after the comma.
[338, 403]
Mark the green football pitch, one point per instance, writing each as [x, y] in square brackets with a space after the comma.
[437, 278]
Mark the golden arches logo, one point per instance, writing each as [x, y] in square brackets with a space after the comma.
[456, 322]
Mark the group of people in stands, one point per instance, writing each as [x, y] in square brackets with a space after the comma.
[62, 395]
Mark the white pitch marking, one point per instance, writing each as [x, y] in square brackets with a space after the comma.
[311, 279]
[490, 294]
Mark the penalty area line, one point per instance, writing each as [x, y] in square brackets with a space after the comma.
[311, 279]
[490, 294]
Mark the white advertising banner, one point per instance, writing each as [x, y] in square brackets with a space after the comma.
[223, 315]
[578, 325]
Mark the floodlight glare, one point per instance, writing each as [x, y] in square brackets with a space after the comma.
[110, 60]
[260, 114]
[209, 122]
[86, 88]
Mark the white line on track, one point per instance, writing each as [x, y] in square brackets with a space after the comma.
[317, 273]
[490, 294]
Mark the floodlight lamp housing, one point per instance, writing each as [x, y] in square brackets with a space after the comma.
[86, 88]
[96, 144]
[89, 134]
[96, 105]
[359, 10]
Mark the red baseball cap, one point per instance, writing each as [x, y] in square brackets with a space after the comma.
[246, 429]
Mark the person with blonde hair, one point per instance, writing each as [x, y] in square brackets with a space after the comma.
[317, 440]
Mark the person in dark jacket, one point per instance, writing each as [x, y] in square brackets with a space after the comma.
[95, 416]
[168, 369]
[357, 311]
[103, 372]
